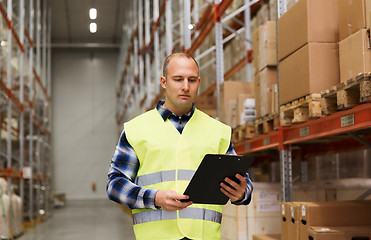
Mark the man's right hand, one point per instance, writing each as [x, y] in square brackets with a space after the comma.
[170, 200]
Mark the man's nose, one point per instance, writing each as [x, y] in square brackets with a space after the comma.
[185, 84]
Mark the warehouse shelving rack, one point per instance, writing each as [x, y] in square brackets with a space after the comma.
[165, 32]
[341, 130]
[25, 111]
[134, 84]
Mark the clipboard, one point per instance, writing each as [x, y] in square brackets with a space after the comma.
[204, 186]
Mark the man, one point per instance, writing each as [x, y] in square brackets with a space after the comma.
[158, 153]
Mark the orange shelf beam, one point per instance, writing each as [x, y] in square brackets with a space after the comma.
[329, 125]
[354, 119]
[38, 79]
[258, 143]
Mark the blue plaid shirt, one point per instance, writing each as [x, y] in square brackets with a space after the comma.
[125, 165]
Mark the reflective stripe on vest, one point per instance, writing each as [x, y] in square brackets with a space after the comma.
[161, 214]
[164, 176]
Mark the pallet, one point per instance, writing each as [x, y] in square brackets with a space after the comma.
[346, 95]
[266, 124]
[243, 132]
[301, 110]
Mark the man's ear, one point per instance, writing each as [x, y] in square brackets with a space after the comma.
[163, 82]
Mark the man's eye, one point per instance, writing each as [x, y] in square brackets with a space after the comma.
[178, 79]
[192, 80]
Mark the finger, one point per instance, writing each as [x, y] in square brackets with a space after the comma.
[231, 182]
[181, 197]
[229, 195]
[226, 192]
[240, 177]
[228, 189]
[181, 205]
[234, 194]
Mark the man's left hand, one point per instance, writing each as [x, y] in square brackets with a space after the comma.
[237, 191]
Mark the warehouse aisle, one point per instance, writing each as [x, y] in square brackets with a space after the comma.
[84, 220]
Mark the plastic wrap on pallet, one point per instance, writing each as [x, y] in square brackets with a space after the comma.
[272, 10]
[332, 166]
[4, 211]
[16, 214]
[263, 14]
[249, 113]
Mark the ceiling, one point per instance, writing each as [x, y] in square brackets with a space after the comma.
[70, 22]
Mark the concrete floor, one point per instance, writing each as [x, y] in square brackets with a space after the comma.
[88, 219]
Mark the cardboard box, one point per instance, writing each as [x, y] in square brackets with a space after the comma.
[353, 16]
[340, 233]
[265, 201]
[230, 113]
[255, 50]
[267, 237]
[294, 220]
[268, 78]
[290, 220]
[311, 69]
[263, 213]
[241, 222]
[355, 55]
[307, 21]
[257, 95]
[207, 104]
[228, 91]
[265, 93]
[228, 228]
[285, 213]
[263, 225]
[274, 99]
[267, 45]
[347, 213]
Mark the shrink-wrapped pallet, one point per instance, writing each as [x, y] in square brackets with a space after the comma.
[4, 211]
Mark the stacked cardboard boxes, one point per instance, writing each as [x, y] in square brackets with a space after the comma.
[207, 104]
[354, 34]
[267, 237]
[264, 65]
[231, 98]
[229, 222]
[340, 233]
[308, 35]
[261, 216]
[304, 220]
[290, 220]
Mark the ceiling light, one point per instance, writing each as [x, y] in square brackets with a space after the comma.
[93, 27]
[191, 26]
[93, 13]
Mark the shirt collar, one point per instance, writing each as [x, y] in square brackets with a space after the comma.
[166, 113]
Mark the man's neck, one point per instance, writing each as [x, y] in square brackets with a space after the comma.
[178, 112]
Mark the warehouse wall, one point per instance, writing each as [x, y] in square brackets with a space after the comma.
[84, 126]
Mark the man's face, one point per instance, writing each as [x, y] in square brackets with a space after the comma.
[181, 85]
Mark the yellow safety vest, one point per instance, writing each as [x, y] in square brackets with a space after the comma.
[168, 161]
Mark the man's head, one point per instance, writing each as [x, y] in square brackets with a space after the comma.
[181, 81]
[174, 55]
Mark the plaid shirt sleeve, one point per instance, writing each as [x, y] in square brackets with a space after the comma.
[247, 199]
[121, 175]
